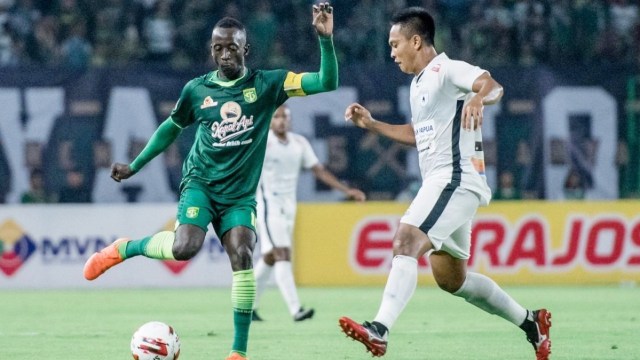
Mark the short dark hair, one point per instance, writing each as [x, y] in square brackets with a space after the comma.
[230, 23]
[416, 20]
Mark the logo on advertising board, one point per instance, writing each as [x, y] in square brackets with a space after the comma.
[593, 243]
[15, 247]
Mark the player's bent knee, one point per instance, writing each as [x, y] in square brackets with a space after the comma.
[405, 246]
[449, 285]
[189, 240]
[185, 252]
[410, 241]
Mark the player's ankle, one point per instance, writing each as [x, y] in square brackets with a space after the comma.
[382, 330]
[528, 325]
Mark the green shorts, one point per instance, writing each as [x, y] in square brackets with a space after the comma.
[198, 207]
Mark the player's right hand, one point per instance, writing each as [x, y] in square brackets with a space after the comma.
[323, 19]
[121, 171]
[358, 115]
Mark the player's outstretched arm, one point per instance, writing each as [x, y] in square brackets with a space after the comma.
[326, 79]
[166, 134]
[324, 175]
[361, 117]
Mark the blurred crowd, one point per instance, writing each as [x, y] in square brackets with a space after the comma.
[92, 33]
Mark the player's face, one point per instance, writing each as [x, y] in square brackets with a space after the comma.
[228, 49]
[402, 49]
[281, 120]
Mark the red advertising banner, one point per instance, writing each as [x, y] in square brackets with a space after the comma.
[513, 242]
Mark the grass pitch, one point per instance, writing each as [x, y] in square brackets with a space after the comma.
[588, 323]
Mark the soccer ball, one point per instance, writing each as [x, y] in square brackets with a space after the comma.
[155, 341]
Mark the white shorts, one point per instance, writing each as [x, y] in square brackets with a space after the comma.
[444, 213]
[276, 218]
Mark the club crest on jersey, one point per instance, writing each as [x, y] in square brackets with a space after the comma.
[193, 212]
[208, 102]
[233, 124]
[250, 95]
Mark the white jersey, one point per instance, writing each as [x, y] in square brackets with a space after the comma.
[283, 162]
[276, 197]
[447, 153]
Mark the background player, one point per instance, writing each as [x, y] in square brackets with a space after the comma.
[447, 98]
[287, 154]
[232, 108]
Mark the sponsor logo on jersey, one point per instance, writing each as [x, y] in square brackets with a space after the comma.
[15, 247]
[250, 95]
[233, 124]
[435, 68]
[478, 164]
[208, 102]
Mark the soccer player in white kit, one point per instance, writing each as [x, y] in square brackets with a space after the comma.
[287, 154]
[447, 99]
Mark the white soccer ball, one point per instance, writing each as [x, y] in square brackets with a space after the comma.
[155, 340]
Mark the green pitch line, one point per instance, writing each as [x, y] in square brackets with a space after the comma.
[589, 323]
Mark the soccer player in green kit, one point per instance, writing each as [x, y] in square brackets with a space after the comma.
[232, 108]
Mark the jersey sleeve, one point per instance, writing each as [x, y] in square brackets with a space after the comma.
[462, 74]
[309, 158]
[276, 83]
[182, 113]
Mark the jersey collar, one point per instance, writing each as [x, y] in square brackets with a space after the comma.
[213, 77]
[436, 58]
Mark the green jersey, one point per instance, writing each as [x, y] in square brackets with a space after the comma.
[233, 121]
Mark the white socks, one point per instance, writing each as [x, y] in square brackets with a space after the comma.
[477, 289]
[284, 279]
[401, 284]
[484, 293]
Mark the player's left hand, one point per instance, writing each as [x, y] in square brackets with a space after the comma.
[356, 195]
[323, 19]
[472, 113]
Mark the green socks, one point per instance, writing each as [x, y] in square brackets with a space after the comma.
[243, 294]
[158, 246]
[243, 289]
